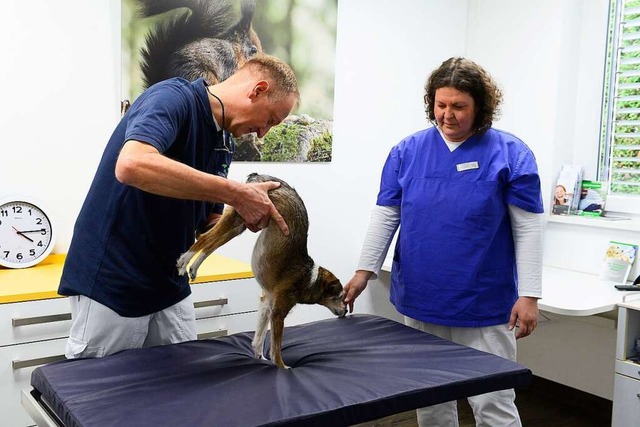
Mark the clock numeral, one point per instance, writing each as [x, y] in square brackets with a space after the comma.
[6, 254]
[17, 209]
[39, 243]
[39, 221]
[3, 212]
[19, 255]
[32, 252]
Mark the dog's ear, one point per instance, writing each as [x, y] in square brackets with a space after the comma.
[328, 281]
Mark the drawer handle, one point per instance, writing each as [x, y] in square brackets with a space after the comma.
[214, 334]
[19, 364]
[211, 303]
[23, 321]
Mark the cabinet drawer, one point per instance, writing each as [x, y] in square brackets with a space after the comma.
[50, 319]
[226, 325]
[226, 297]
[629, 369]
[626, 401]
[34, 321]
[14, 378]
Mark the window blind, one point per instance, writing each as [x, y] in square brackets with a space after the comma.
[620, 150]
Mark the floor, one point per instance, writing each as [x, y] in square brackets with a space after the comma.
[543, 403]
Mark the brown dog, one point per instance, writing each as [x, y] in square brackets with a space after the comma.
[280, 263]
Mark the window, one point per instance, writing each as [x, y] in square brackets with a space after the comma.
[620, 137]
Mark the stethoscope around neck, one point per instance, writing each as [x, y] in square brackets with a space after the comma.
[226, 143]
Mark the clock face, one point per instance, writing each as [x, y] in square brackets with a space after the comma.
[26, 234]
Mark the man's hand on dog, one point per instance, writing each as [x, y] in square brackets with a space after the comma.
[257, 210]
[355, 286]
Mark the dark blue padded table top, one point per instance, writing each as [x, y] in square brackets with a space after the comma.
[344, 371]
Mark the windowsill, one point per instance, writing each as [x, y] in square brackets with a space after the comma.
[617, 222]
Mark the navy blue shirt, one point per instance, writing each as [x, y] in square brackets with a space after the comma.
[126, 241]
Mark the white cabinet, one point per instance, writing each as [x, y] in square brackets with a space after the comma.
[626, 394]
[34, 333]
[31, 334]
[224, 308]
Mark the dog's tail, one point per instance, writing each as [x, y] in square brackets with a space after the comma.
[210, 39]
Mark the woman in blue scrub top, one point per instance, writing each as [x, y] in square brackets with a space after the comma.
[468, 258]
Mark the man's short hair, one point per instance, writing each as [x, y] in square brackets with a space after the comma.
[280, 75]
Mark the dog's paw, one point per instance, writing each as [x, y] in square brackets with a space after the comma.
[182, 263]
[181, 270]
[193, 272]
[282, 366]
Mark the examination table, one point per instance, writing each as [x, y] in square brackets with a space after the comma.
[345, 371]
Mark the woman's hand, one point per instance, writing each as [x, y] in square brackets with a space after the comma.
[355, 286]
[525, 314]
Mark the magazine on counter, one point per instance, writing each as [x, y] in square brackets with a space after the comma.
[566, 198]
[619, 259]
[593, 197]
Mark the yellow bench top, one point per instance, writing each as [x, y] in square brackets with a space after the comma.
[41, 281]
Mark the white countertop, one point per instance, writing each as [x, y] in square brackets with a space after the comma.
[572, 293]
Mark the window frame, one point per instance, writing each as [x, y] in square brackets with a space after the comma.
[616, 201]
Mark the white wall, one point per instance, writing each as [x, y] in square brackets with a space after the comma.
[60, 100]
[549, 56]
[61, 74]
[385, 50]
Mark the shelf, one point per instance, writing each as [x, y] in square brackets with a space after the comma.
[615, 223]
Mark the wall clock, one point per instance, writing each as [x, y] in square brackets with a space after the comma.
[27, 235]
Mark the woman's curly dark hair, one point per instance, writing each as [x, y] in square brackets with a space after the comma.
[468, 77]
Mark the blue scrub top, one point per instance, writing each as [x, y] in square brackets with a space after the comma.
[454, 262]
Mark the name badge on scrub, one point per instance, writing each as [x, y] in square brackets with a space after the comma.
[467, 166]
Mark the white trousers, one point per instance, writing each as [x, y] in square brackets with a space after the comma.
[98, 331]
[496, 409]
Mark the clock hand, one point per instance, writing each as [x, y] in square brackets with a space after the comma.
[31, 231]
[20, 233]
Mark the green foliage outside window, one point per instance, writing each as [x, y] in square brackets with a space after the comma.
[620, 146]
